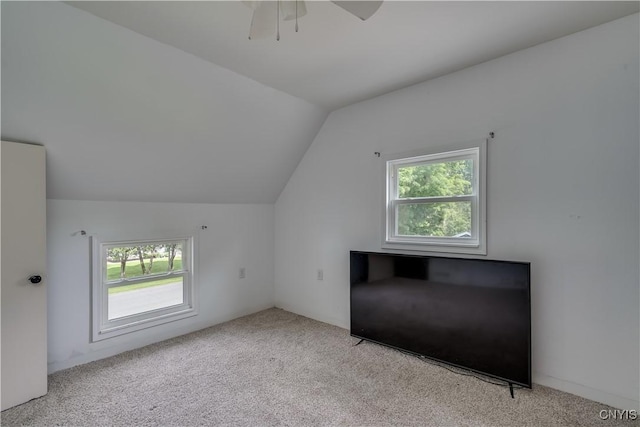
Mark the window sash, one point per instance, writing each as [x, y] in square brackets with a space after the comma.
[144, 316]
[442, 157]
[105, 247]
[470, 154]
[142, 279]
[434, 199]
[441, 239]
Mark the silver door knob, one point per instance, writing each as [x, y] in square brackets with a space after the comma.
[35, 279]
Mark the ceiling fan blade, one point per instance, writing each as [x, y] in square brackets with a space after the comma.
[263, 20]
[288, 9]
[252, 4]
[362, 9]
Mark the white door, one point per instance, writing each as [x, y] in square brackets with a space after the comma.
[23, 253]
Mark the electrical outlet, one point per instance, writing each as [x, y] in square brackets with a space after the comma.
[320, 274]
[242, 273]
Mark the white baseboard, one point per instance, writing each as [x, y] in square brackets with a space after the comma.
[143, 340]
[596, 395]
[313, 315]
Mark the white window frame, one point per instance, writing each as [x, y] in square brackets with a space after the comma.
[477, 243]
[103, 328]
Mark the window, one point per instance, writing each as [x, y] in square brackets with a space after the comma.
[435, 201]
[139, 284]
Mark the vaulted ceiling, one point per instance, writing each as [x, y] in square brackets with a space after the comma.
[170, 102]
[336, 59]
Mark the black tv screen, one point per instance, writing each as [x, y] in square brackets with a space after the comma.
[470, 313]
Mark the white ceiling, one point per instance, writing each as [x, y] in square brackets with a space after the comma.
[336, 59]
[207, 116]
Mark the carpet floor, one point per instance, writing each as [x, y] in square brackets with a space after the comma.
[278, 368]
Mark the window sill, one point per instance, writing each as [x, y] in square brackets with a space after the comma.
[467, 249]
[137, 325]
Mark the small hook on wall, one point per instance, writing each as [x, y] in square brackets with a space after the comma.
[376, 153]
[80, 232]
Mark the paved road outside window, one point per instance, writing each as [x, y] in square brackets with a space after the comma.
[146, 299]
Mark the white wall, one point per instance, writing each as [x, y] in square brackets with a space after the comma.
[236, 236]
[563, 193]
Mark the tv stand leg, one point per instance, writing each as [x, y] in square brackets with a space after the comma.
[358, 343]
[511, 390]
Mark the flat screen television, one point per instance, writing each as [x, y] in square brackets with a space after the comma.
[470, 313]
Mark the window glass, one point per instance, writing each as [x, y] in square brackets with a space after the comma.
[436, 179]
[448, 219]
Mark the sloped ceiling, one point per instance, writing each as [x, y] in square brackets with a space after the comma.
[127, 118]
[170, 102]
[336, 59]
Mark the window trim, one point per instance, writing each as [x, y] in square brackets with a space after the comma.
[103, 328]
[477, 150]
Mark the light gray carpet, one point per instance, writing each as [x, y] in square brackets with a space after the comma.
[277, 368]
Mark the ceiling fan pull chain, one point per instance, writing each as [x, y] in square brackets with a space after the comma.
[278, 20]
[296, 16]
